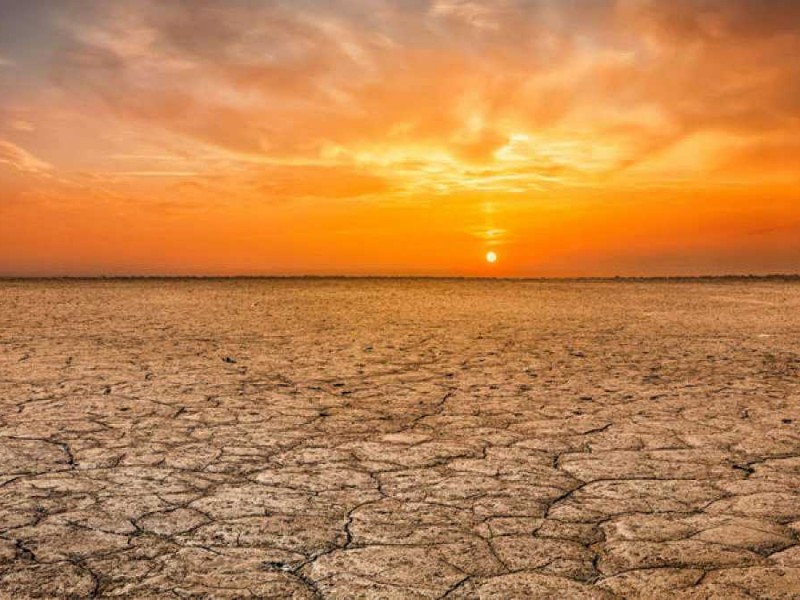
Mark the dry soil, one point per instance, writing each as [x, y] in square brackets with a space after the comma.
[399, 439]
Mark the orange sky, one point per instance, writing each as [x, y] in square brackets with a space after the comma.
[571, 137]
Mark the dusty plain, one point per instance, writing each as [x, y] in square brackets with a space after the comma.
[399, 439]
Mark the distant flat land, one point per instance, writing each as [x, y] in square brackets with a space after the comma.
[400, 439]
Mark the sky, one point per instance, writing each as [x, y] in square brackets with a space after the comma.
[402, 137]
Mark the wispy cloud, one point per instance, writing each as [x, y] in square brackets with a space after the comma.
[610, 77]
[20, 159]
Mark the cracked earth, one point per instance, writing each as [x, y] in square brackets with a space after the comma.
[399, 439]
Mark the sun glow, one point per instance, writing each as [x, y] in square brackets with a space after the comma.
[491, 257]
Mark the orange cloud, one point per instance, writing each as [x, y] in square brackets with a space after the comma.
[16, 157]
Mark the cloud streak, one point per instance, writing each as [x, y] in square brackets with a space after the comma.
[20, 159]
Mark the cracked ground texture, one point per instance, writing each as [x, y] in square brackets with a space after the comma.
[399, 439]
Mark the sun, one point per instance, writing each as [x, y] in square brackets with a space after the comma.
[491, 257]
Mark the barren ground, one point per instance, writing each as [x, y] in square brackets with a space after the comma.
[399, 439]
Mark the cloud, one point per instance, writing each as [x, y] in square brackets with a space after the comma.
[317, 182]
[596, 87]
[20, 159]
[482, 15]
[281, 80]
[702, 21]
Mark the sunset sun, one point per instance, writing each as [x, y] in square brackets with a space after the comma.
[491, 257]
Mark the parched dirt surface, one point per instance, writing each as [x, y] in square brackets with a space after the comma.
[399, 439]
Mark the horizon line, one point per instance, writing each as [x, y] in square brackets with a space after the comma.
[587, 278]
